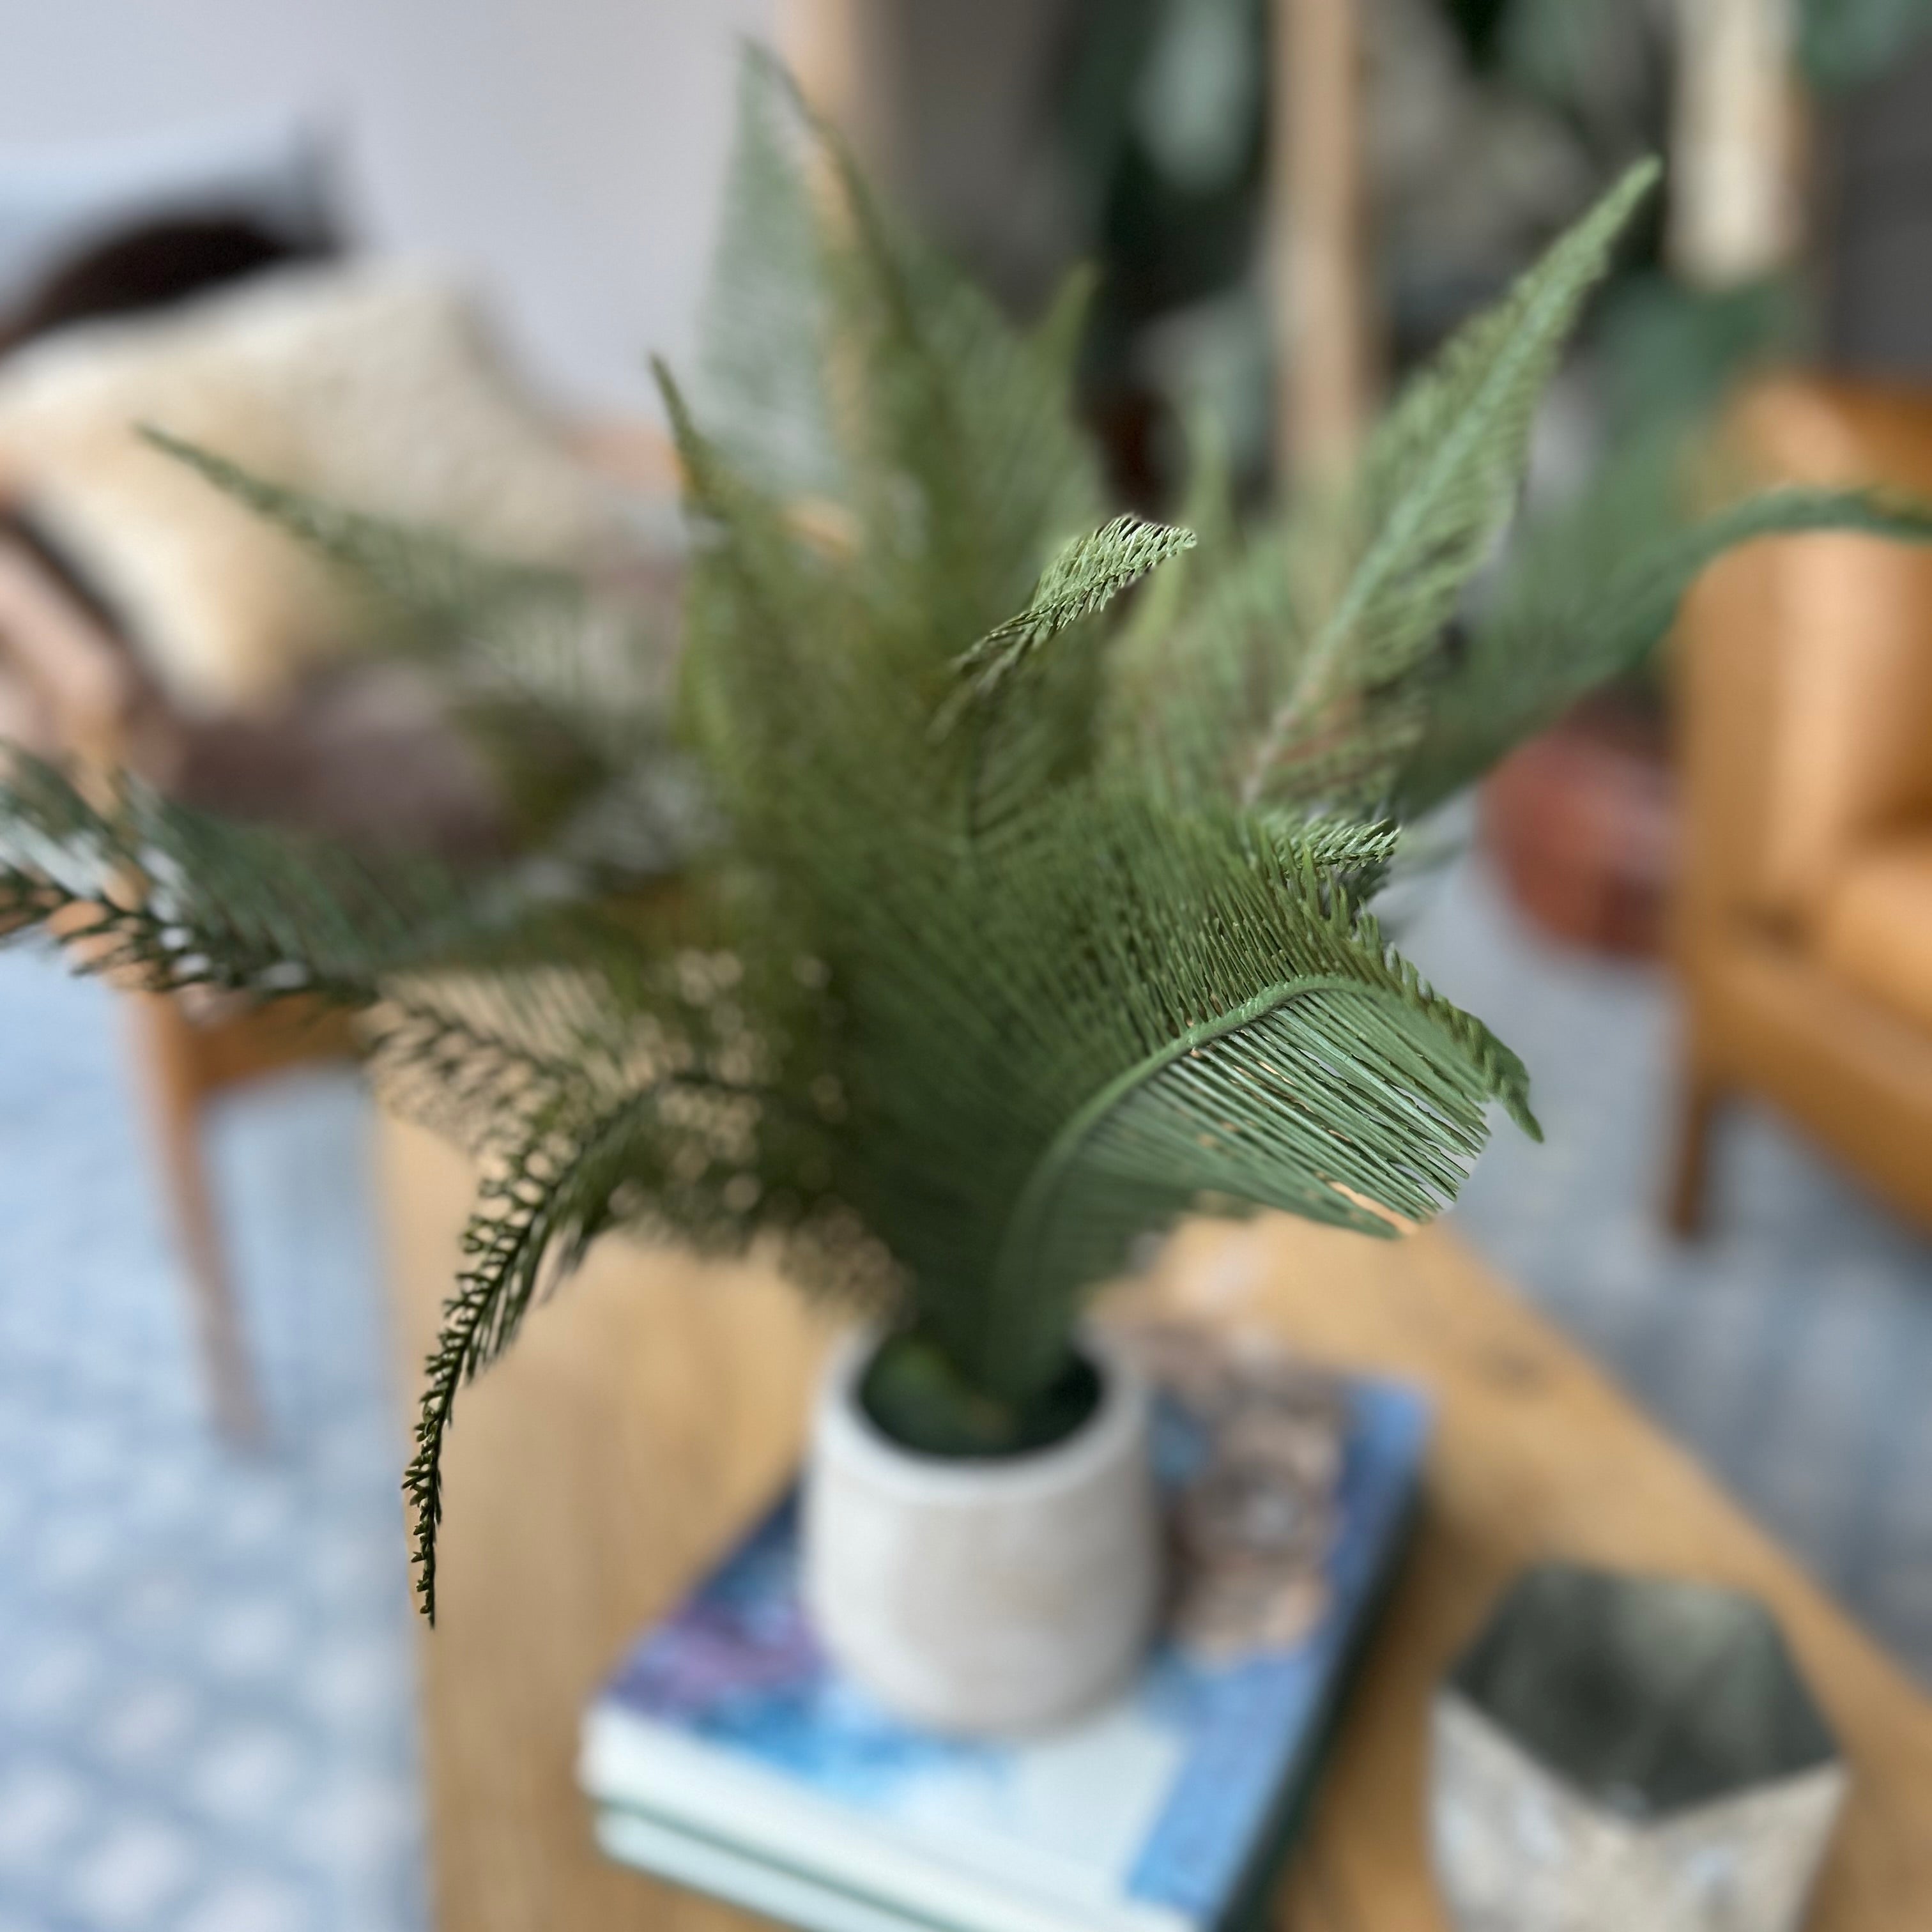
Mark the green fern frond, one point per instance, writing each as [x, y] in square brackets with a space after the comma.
[958, 1014]
[1020, 742]
[1183, 702]
[1437, 485]
[478, 1060]
[1142, 657]
[1441, 476]
[566, 1182]
[1359, 852]
[170, 898]
[681, 1150]
[957, 436]
[761, 380]
[678, 1101]
[175, 898]
[427, 571]
[1593, 594]
[1005, 1001]
[1335, 1101]
[564, 691]
[1084, 576]
[552, 1196]
[762, 675]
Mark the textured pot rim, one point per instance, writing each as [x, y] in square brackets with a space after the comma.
[844, 1433]
[1451, 1706]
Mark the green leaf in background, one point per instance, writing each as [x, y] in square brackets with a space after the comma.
[1843, 42]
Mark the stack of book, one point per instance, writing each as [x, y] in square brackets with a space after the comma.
[728, 1755]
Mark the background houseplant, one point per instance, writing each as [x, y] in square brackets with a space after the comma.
[973, 923]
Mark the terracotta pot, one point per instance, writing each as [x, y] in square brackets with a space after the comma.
[1582, 822]
[994, 1596]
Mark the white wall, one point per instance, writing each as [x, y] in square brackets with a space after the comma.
[568, 153]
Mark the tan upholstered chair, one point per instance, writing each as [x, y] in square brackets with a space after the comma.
[1803, 918]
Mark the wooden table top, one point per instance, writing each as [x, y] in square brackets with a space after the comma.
[651, 1409]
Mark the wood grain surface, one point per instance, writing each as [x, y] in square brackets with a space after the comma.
[656, 1404]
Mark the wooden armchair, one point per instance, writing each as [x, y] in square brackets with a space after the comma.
[1803, 918]
[340, 760]
[69, 688]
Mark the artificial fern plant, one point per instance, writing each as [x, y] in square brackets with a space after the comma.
[971, 919]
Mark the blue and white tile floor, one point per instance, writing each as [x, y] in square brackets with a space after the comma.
[206, 1703]
[205, 1711]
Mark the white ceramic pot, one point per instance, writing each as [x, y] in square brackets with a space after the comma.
[997, 1596]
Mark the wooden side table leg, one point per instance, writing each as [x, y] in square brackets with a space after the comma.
[1697, 1108]
[166, 1049]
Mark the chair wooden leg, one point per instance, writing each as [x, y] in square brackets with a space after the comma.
[1697, 1108]
[165, 1047]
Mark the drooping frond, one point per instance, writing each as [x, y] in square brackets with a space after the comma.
[1339, 1103]
[548, 1201]
[673, 1098]
[479, 1058]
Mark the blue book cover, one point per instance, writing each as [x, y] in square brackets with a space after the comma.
[727, 1753]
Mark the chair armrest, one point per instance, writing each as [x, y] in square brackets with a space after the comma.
[1805, 689]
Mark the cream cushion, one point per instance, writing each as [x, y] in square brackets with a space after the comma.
[1876, 927]
[373, 385]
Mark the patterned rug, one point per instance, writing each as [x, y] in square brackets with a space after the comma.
[205, 1720]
